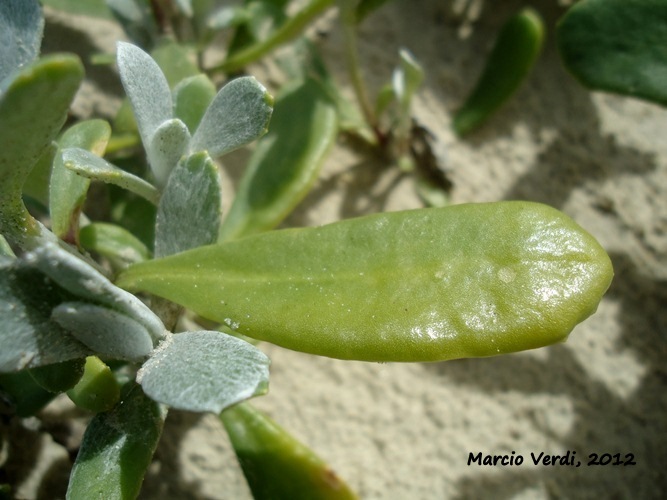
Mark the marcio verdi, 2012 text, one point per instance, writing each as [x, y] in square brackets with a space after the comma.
[542, 458]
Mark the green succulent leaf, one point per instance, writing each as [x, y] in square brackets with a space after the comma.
[274, 463]
[59, 377]
[5, 249]
[146, 87]
[97, 390]
[25, 396]
[29, 337]
[113, 242]
[204, 371]
[86, 283]
[617, 46]
[89, 165]
[32, 110]
[169, 143]
[189, 211]
[67, 190]
[238, 115]
[21, 28]
[117, 449]
[424, 285]
[286, 162]
[36, 185]
[512, 57]
[192, 97]
[176, 60]
[106, 332]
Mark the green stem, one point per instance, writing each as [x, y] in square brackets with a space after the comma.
[292, 28]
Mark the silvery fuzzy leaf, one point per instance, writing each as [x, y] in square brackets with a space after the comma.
[105, 331]
[204, 371]
[190, 208]
[168, 145]
[21, 27]
[238, 115]
[87, 164]
[146, 87]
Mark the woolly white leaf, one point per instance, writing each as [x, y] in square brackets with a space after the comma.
[169, 143]
[238, 115]
[204, 371]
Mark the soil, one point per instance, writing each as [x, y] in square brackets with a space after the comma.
[398, 431]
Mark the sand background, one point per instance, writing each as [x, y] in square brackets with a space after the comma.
[399, 431]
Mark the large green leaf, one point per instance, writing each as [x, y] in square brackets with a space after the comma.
[67, 190]
[32, 110]
[117, 449]
[21, 27]
[275, 464]
[424, 285]
[204, 371]
[286, 161]
[618, 46]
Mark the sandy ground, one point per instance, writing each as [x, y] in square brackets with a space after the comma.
[399, 431]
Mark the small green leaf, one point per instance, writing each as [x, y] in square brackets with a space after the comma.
[59, 377]
[238, 115]
[176, 61]
[93, 167]
[83, 281]
[511, 59]
[67, 190]
[32, 110]
[28, 336]
[113, 242]
[21, 27]
[617, 46]
[406, 80]
[424, 285]
[117, 449]
[170, 142]
[36, 185]
[146, 87]
[106, 332]
[189, 211]
[204, 371]
[286, 161]
[191, 99]
[98, 389]
[25, 396]
[275, 464]
[5, 249]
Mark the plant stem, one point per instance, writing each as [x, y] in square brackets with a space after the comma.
[292, 28]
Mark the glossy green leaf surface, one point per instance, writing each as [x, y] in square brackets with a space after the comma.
[512, 57]
[617, 46]
[238, 115]
[189, 212]
[117, 448]
[88, 165]
[67, 190]
[192, 97]
[97, 390]
[424, 285]
[32, 110]
[36, 184]
[29, 338]
[113, 242]
[285, 163]
[21, 27]
[204, 371]
[275, 464]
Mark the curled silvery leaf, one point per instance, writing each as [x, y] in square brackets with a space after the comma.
[21, 27]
